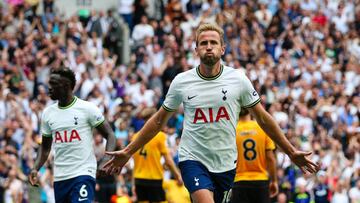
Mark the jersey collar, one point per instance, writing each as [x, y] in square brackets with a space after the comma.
[209, 78]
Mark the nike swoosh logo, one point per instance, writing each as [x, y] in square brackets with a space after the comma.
[191, 97]
[82, 199]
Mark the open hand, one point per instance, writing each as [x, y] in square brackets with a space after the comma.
[301, 159]
[117, 161]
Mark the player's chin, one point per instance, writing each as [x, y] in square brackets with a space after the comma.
[210, 60]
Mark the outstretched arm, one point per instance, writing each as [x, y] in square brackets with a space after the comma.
[42, 156]
[271, 128]
[150, 129]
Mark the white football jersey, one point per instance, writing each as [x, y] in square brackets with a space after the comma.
[71, 130]
[211, 108]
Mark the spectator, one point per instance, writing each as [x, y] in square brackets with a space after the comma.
[321, 190]
[354, 192]
[13, 188]
[126, 9]
[142, 30]
[340, 193]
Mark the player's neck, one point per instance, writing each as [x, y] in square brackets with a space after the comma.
[210, 71]
[246, 118]
[66, 101]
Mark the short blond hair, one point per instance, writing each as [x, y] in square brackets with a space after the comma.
[209, 27]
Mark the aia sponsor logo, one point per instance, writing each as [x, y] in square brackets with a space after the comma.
[66, 136]
[210, 115]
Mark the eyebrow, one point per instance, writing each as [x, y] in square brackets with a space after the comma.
[211, 41]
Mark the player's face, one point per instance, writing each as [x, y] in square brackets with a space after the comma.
[209, 47]
[58, 87]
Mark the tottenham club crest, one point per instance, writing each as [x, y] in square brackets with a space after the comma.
[76, 120]
[224, 92]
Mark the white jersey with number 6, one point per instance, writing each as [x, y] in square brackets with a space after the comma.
[71, 130]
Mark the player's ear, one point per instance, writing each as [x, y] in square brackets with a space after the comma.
[223, 47]
[196, 51]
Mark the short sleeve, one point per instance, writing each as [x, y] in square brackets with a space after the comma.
[269, 144]
[45, 127]
[249, 97]
[95, 117]
[173, 98]
[162, 144]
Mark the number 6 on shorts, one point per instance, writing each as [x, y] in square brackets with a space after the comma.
[83, 192]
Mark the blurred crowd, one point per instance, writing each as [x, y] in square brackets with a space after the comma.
[303, 57]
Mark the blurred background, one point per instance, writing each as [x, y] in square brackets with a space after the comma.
[302, 56]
